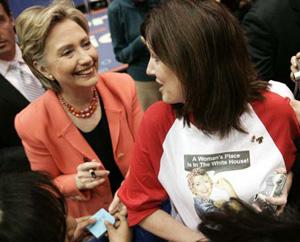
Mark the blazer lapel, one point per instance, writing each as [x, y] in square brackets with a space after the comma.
[75, 138]
[65, 127]
[113, 118]
[113, 112]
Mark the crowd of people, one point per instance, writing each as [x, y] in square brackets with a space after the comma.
[187, 168]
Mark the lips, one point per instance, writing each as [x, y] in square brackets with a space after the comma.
[86, 72]
[160, 85]
[158, 81]
[2, 43]
[160, 88]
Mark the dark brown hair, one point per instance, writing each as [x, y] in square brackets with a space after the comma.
[5, 7]
[31, 208]
[203, 44]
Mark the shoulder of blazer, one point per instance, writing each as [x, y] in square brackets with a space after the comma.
[37, 109]
[119, 82]
[45, 112]
[117, 90]
[10, 94]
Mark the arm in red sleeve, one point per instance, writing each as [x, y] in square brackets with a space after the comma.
[141, 191]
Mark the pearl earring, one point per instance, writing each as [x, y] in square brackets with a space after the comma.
[51, 77]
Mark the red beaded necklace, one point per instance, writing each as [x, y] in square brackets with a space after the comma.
[85, 113]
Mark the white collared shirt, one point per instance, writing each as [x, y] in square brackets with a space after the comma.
[11, 76]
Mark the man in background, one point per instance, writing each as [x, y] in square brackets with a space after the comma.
[18, 87]
[273, 31]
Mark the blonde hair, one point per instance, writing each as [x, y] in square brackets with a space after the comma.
[33, 26]
[194, 173]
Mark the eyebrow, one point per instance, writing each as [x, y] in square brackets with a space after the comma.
[62, 48]
[67, 46]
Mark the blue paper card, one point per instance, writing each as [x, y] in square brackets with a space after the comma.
[98, 229]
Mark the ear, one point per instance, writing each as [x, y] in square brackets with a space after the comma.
[43, 70]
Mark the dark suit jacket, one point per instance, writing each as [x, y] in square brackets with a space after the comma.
[273, 31]
[12, 155]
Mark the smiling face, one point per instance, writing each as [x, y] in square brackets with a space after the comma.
[170, 86]
[7, 36]
[202, 186]
[70, 57]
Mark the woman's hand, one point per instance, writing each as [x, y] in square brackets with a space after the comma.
[294, 65]
[281, 201]
[296, 106]
[89, 176]
[121, 233]
[117, 206]
[76, 228]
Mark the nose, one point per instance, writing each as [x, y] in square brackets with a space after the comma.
[150, 68]
[85, 58]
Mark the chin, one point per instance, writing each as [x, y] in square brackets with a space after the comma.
[92, 81]
[168, 100]
[165, 100]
